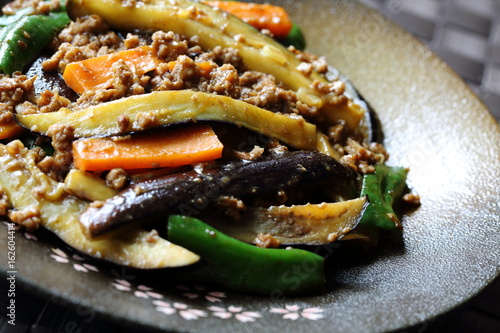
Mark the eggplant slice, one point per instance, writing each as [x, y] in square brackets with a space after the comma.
[190, 192]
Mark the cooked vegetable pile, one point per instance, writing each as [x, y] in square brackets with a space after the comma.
[161, 134]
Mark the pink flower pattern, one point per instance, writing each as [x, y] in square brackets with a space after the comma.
[236, 311]
[294, 312]
[182, 309]
[61, 257]
[288, 312]
[201, 291]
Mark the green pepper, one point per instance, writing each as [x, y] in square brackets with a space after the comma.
[24, 38]
[384, 188]
[244, 267]
[11, 19]
[295, 38]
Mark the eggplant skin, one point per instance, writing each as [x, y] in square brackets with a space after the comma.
[190, 192]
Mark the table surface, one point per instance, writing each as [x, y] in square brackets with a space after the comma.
[443, 25]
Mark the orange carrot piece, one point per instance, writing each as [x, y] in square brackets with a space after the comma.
[152, 150]
[261, 16]
[94, 72]
[9, 130]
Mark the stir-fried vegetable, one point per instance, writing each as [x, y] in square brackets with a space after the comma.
[239, 266]
[25, 36]
[384, 188]
[213, 28]
[192, 191]
[179, 147]
[310, 224]
[268, 17]
[261, 16]
[91, 73]
[87, 186]
[171, 107]
[278, 150]
[59, 213]
[9, 129]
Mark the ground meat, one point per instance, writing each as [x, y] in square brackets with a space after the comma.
[224, 80]
[169, 46]
[58, 165]
[4, 202]
[266, 241]
[231, 206]
[133, 41]
[275, 147]
[49, 101]
[338, 132]
[40, 6]
[14, 91]
[319, 64]
[117, 179]
[360, 157]
[145, 120]
[411, 199]
[29, 218]
[334, 91]
[125, 82]
[15, 147]
[185, 75]
[222, 56]
[123, 122]
[261, 89]
[152, 237]
[85, 38]
[255, 153]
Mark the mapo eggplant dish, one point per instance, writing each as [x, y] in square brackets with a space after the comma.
[161, 134]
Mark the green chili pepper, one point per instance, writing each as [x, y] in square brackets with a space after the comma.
[22, 40]
[11, 19]
[384, 188]
[295, 38]
[244, 267]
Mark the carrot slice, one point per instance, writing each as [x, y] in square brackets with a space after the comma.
[260, 16]
[94, 72]
[152, 150]
[9, 130]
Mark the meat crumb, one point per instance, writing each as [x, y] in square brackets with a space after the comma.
[232, 206]
[266, 241]
[145, 120]
[28, 218]
[411, 199]
[4, 202]
[152, 237]
[255, 153]
[58, 165]
[117, 179]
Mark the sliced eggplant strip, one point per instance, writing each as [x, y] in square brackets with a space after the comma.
[216, 28]
[190, 192]
[310, 224]
[171, 107]
[58, 213]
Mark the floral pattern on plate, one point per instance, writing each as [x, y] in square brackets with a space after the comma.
[213, 303]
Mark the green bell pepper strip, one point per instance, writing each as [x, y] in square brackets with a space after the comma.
[243, 267]
[384, 188]
[22, 40]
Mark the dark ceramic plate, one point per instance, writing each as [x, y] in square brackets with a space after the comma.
[433, 123]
